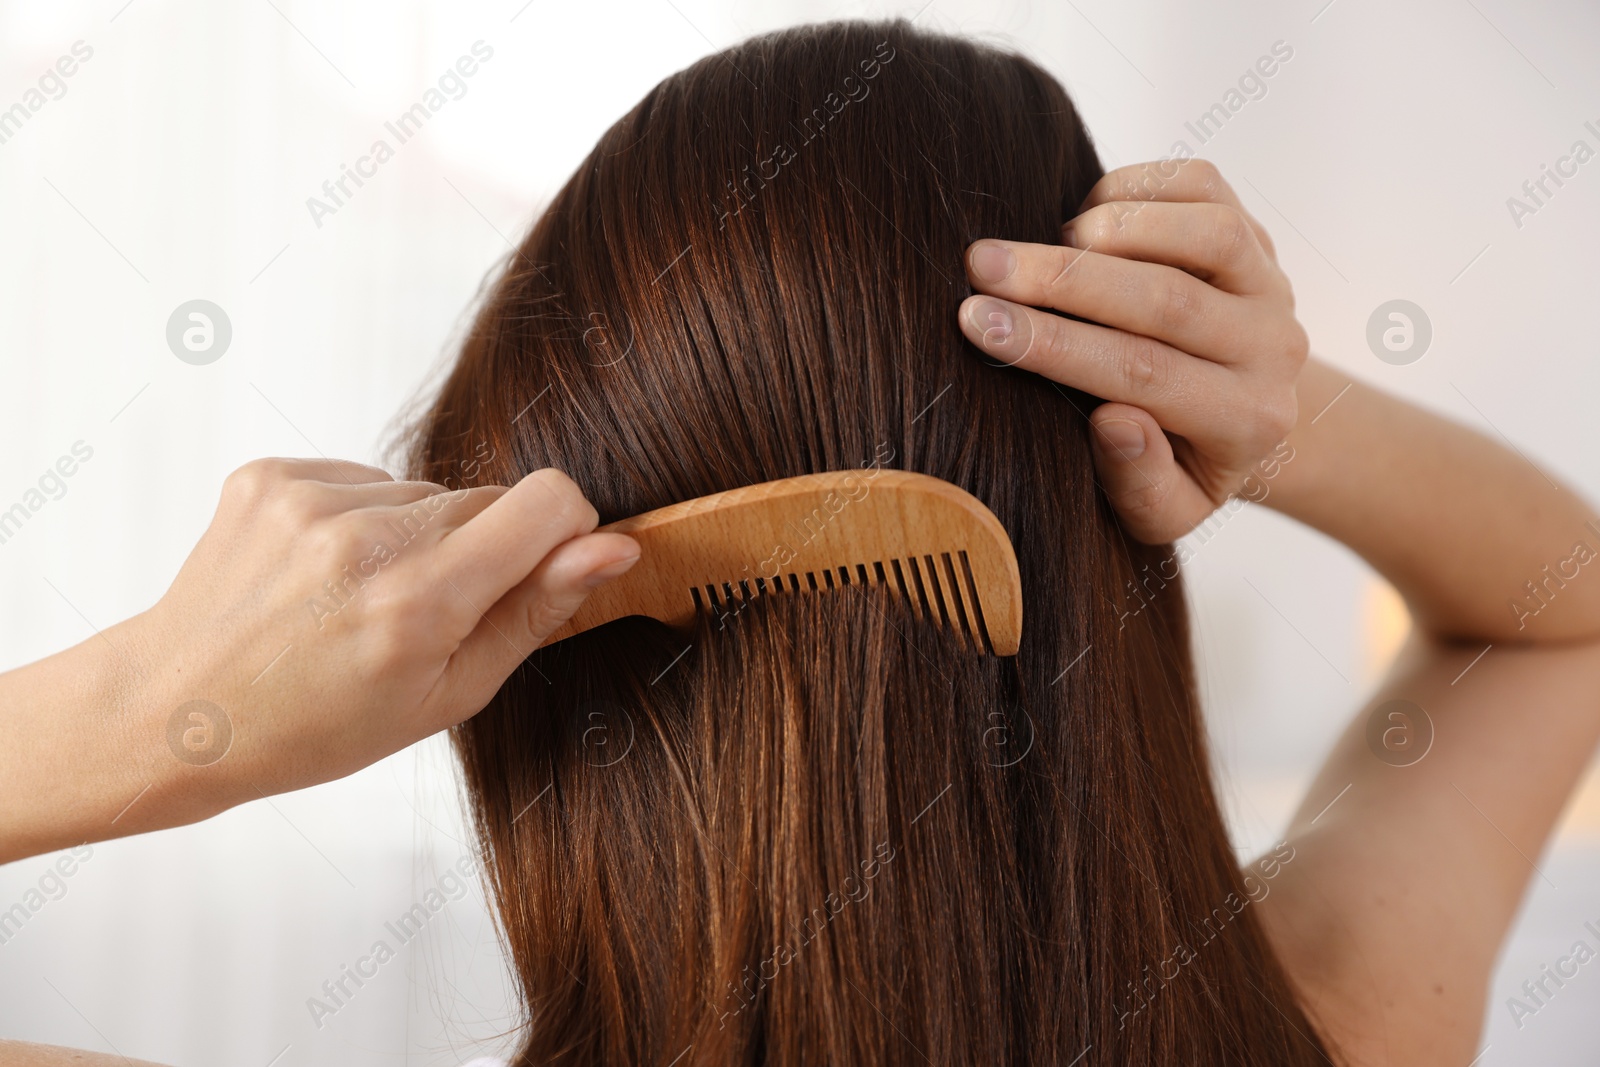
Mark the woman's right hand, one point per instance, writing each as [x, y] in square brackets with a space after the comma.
[1192, 338]
[328, 617]
[398, 608]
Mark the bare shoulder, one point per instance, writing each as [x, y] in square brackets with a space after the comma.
[1417, 840]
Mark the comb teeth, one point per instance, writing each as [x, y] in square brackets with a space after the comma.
[940, 590]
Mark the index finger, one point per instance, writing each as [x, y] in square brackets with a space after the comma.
[1173, 181]
[337, 471]
[489, 554]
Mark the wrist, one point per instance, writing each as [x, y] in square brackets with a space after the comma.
[84, 754]
[1294, 479]
[128, 779]
[175, 739]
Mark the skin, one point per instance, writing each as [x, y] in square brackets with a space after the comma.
[485, 575]
[27, 1054]
[1400, 894]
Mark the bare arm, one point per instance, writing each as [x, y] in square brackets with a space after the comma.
[1409, 870]
[328, 617]
[1424, 828]
[1483, 546]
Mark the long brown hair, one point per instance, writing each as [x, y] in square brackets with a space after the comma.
[816, 830]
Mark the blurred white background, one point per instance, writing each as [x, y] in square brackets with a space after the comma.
[177, 164]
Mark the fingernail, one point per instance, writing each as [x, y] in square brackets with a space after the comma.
[992, 261]
[1123, 437]
[993, 319]
[604, 574]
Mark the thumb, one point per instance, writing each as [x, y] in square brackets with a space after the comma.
[1152, 494]
[531, 611]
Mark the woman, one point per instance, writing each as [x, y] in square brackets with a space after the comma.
[817, 847]
[819, 830]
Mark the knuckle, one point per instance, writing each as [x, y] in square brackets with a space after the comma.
[1277, 286]
[487, 494]
[1144, 366]
[1136, 184]
[1296, 344]
[580, 513]
[1206, 177]
[339, 540]
[391, 639]
[1142, 501]
[543, 616]
[1052, 336]
[1231, 235]
[1058, 267]
[398, 604]
[1180, 306]
[413, 519]
[254, 481]
[567, 506]
[1099, 226]
[296, 500]
[1271, 252]
[406, 608]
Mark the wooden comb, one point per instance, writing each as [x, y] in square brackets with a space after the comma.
[933, 545]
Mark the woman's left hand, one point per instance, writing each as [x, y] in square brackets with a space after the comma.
[1191, 336]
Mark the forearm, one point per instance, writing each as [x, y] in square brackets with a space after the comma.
[83, 750]
[270, 666]
[1483, 546]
